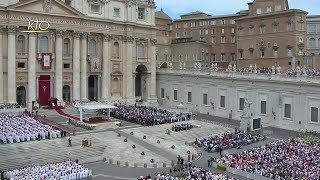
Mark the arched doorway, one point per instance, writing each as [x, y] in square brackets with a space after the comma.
[141, 82]
[21, 96]
[164, 65]
[66, 93]
[93, 87]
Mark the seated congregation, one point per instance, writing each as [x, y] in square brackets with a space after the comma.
[181, 127]
[291, 159]
[15, 129]
[189, 173]
[147, 116]
[228, 140]
[9, 106]
[67, 170]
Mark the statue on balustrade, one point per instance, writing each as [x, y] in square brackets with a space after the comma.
[298, 70]
[273, 70]
[216, 66]
[212, 66]
[250, 68]
[246, 108]
[170, 65]
[255, 70]
[184, 65]
[199, 65]
[229, 68]
[304, 71]
[234, 68]
[180, 65]
[278, 69]
[195, 65]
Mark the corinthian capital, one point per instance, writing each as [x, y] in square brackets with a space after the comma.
[84, 34]
[129, 39]
[60, 32]
[106, 37]
[153, 42]
[12, 29]
[76, 34]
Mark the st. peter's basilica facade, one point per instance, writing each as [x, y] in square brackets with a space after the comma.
[94, 49]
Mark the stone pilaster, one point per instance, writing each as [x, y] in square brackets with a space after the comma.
[83, 59]
[153, 70]
[58, 61]
[128, 70]
[32, 79]
[76, 67]
[12, 89]
[106, 69]
[1, 65]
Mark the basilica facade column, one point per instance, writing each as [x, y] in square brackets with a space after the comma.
[32, 70]
[1, 68]
[128, 69]
[76, 67]
[106, 69]
[12, 89]
[58, 57]
[153, 70]
[83, 59]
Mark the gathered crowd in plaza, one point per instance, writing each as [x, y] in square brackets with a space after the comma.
[228, 140]
[67, 170]
[24, 128]
[188, 173]
[148, 116]
[181, 127]
[9, 106]
[291, 159]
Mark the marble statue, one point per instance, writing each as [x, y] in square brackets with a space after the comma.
[195, 65]
[212, 66]
[255, 68]
[250, 68]
[304, 71]
[273, 70]
[234, 68]
[298, 70]
[246, 108]
[278, 69]
[184, 65]
[230, 68]
[180, 65]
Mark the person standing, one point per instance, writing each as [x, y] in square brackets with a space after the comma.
[70, 142]
[230, 115]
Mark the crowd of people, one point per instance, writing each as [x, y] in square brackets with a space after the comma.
[24, 128]
[228, 140]
[9, 106]
[147, 116]
[188, 173]
[67, 170]
[291, 159]
[309, 72]
[181, 127]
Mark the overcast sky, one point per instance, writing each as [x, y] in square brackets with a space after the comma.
[174, 8]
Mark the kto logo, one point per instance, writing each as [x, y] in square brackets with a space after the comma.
[38, 26]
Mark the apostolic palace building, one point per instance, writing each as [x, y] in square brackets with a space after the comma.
[92, 49]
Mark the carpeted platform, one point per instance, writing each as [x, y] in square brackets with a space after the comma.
[62, 113]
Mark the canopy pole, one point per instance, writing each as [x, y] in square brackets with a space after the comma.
[80, 114]
[108, 114]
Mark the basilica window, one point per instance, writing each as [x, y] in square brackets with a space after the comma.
[44, 44]
[116, 12]
[289, 52]
[116, 51]
[92, 48]
[314, 114]
[319, 42]
[275, 28]
[141, 13]
[21, 44]
[287, 110]
[175, 95]
[312, 42]
[289, 26]
[66, 47]
[68, 2]
[205, 99]
[141, 50]
[95, 7]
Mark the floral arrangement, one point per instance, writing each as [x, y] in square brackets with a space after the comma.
[83, 125]
[310, 139]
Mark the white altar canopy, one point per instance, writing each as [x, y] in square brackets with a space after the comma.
[95, 106]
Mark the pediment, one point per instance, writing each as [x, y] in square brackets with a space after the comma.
[55, 7]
